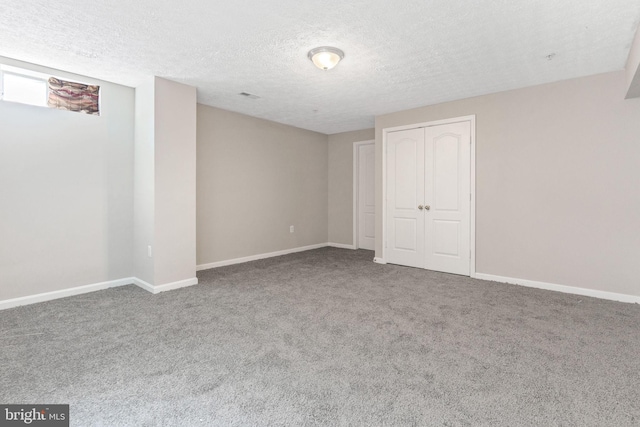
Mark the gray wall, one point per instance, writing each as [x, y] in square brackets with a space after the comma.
[66, 193]
[341, 184]
[557, 181]
[255, 178]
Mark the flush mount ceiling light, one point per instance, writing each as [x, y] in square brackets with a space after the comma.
[325, 57]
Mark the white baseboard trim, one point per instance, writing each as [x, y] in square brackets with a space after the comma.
[341, 246]
[258, 256]
[561, 288]
[63, 293]
[379, 260]
[48, 296]
[156, 289]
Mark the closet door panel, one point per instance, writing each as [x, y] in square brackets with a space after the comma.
[447, 194]
[405, 190]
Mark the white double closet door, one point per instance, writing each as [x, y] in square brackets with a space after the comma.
[428, 206]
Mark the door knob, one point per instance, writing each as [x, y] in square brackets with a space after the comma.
[427, 207]
[420, 207]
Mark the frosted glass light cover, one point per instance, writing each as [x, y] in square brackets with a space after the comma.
[326, 57]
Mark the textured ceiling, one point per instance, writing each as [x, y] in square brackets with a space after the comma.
[398, 55]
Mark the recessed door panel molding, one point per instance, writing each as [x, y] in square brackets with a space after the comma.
[405, 173]
[369, 157]
[428, 172]
[446, 238]
[446, 164]
[369, 226]
[406, 234]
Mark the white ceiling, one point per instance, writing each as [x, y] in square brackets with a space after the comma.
[398, 54]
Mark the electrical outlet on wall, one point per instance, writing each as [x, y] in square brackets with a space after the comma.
[291, 229]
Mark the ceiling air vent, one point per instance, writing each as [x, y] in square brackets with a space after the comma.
[249, 95]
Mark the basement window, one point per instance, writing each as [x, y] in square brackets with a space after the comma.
[33, 88]
[23, 88]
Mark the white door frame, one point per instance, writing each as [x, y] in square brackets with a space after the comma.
[356, 167]
[472, 226]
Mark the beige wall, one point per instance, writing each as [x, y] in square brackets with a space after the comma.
[66, 192]
[556, 182]
[557, 171]
[175, 182]
[255, 178]
[165, 182]
[341, 184]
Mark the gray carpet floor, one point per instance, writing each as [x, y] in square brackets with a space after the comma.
[327, 337]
